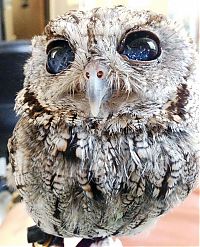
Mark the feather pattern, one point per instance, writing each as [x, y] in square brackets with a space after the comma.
[116, 173]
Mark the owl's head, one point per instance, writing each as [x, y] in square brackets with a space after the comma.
[106, 61]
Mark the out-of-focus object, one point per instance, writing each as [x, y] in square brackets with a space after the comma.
[25, 3]
[5, 198]
[7, 20]
[12, 58]
[28, 18]
[22, 19]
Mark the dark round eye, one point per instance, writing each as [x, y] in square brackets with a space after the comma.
[59, 56]
[141, 46]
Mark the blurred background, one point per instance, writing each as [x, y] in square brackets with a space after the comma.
[20, 20]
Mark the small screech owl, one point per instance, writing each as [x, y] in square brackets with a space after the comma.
[107, 139]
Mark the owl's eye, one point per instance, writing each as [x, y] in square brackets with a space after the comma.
[141, 46]
[59, 56]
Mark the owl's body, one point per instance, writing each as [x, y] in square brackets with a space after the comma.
[109, 159]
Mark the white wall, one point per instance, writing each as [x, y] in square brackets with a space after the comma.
[62, 6]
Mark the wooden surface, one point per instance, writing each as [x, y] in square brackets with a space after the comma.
[180, 227]
[28, 21]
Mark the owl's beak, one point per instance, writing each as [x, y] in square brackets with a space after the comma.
[97, 86]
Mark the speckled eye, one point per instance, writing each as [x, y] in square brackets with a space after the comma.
[59, 56]
[141, 46]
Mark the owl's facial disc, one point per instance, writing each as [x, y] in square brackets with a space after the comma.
[97, 85]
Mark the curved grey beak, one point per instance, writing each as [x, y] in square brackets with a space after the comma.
[97, 85]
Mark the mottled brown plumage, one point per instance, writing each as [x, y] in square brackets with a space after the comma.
[108, 143]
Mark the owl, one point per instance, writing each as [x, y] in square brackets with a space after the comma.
[107, 139]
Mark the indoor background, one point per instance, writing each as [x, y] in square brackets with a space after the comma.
[20, 20]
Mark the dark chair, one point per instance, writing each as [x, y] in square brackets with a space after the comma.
[12, 58]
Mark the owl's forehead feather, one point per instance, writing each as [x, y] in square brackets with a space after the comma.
[110, 21]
